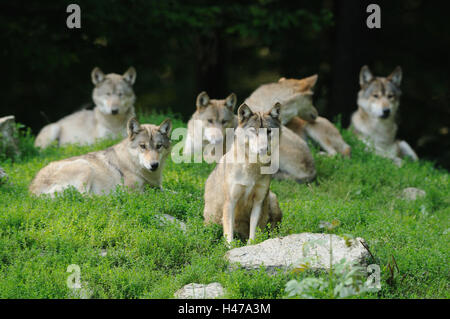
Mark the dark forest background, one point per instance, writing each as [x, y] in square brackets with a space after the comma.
[180, 48]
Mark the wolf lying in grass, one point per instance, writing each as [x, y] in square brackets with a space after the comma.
[298, 112]
[114, 105]
[296, 161]
[374, 121]
[135, 162]
[216, 116]
[237, 194]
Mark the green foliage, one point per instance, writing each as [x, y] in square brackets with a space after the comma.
[146, 258]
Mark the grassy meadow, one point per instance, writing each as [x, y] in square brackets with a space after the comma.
[147, 258]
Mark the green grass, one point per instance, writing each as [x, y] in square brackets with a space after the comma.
[40, 237]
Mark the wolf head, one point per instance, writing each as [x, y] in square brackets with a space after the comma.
[302, 97]
[379, 96]
[149, 144]
[113, 93]
[259, 128]
[216, 116]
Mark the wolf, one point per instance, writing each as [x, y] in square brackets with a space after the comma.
[135, 162]
[300, 121]
[215, 116]
[374, 121]
[237, 194]
[298, 112]
[114, 99]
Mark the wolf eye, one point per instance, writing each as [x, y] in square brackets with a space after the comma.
[158, 146]
[390, 96]
[210, 121]
[224, 121]
[142, 146]
[376, 96]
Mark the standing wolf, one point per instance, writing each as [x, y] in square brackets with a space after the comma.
[114, 105]
[136, 161]
[237, 194]
[374, 121]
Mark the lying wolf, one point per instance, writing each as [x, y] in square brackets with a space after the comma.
[374, 121]
[237, 195]
[215, 116]
[135, 162]
[298, 112]
[114, 105]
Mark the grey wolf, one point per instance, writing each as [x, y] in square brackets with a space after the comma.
[135, 162]
[237, 195]
[215, 116]
[374, 121]
[114, 105]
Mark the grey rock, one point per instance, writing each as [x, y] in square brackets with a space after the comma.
[3, 176]
[168, 218]
[412, 193]
[295, 250]
[200, 291]
[7, 134]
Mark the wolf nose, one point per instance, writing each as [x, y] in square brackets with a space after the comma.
[114, 112]
[154, 166]
[386, 113]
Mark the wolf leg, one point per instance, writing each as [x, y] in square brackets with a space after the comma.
[47, 135]
[406, 150]
[254, 217]
[228, 219]
[327, 135]
[274, 210]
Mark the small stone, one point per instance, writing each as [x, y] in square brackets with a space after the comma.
[3, 176]
[171, 219]
[8, 140]
[103, 253]
[200, 291]
[303, 251]
[412, 193]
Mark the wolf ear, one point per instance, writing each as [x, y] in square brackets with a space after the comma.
[310, 82]
[202, 100]
[275, 111]
[133, 128]
[97, 76]
[396, 76]
[244, 112]
[365, 76]
[130, 75]
[230, 101]
[165, 127]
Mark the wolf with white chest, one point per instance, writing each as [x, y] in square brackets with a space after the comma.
[374, 122]
[114, 105]
[135, 162]
[237, 194]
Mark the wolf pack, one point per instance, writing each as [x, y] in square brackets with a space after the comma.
[277, 118]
